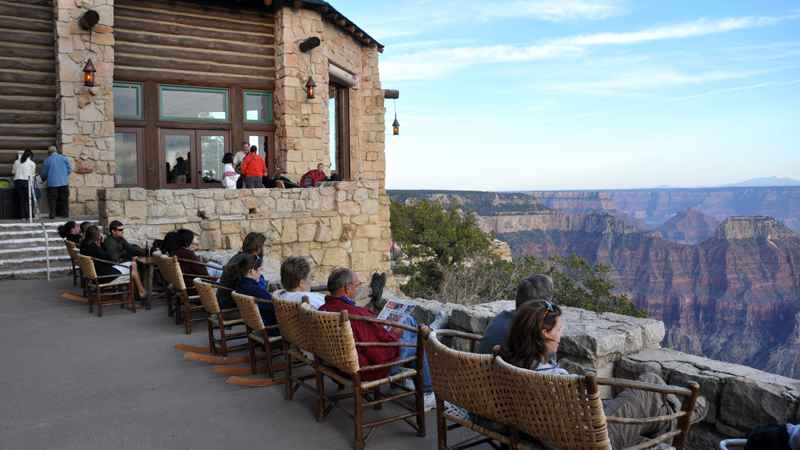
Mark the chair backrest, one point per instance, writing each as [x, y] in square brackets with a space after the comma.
[249, 311]
[468, 380]
[175, 273]
[163, 263]
[87, 267]
[72, 251]
[331, 338]
[562, 411]
[288, 314]
[208, 295]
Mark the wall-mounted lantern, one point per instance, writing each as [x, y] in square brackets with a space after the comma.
[89, 19]
[395, 126]
[89, 74]
[310, 85]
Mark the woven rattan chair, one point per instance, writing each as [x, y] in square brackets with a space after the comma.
[187, 301]
[566, 412]
[105, 290]
[257, 332]
[296, 344]
[335, 356]
[222, 320]
[162, 263]
[73, 252]
[467, 380]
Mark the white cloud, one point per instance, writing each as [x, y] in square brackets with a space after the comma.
[641, 81]
[550, 11]
[436, 63]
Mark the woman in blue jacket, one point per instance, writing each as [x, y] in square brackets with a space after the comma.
[251, 270]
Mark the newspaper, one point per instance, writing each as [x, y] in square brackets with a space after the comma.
[395, 311]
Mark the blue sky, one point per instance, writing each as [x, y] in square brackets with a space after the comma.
[587, 94]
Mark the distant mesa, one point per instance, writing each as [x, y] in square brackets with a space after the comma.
[758, 227]
[766, 182]
[689, 227]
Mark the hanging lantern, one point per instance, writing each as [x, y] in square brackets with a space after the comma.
[310, 85]
[88, 74]
[395, 126]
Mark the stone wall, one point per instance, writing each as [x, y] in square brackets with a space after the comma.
[302, 133]
[610, 344]
[346, 224]
[86, 115]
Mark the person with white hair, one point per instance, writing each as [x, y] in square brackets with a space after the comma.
[55, 171]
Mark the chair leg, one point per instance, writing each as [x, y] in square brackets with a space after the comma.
[131, 298]
[441, 425]
[74, 277]
[89, 297]
[99, 298]
[289, 391]
[211, 345]
[358, 416]
[251, 347]
[223, 340]
[268, 351]
[187, 317]
[321, 400]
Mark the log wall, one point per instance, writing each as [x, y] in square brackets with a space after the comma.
[195, 43]
[27, 80]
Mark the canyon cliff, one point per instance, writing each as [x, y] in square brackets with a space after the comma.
[732, 294]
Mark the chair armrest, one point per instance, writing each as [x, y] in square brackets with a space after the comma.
[116, 275]
[384, 322]
[397, 362]
[197, 262]
[649, 387]
[384, 344]
[319, 288]
[204, 277]
[103, 261]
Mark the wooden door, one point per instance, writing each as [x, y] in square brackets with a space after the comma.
[178, 156]
[211, 147]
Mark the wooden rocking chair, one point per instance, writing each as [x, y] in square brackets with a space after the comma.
[335, 356]
[296, 344]
[257, 332]
[105, 290]
[222, 320]
[73, 252]
[187, 302]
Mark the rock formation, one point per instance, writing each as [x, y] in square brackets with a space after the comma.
[689, 227]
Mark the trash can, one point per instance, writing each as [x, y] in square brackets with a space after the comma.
[8, 200]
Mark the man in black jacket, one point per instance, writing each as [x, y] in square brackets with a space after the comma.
[117, 247]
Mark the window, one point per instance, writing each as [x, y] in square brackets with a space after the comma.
[339, 124]
[258, 106]
[125, 144]
[128, 101]
[193, 104]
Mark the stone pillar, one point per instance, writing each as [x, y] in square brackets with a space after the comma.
[86, 115]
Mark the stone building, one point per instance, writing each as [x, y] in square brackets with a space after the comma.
[178, 83]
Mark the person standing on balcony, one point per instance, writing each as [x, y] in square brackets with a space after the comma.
[253, 169]
[24, 171]
[238, 159]
[55, 172]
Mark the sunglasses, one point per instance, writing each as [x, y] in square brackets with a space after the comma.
[118, 229]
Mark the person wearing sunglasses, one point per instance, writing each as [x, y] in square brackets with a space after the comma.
[535, 287]
[532, 343]
[251, 270]
[117, 246]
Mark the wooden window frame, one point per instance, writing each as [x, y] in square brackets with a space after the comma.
[342, 115]
[139, 99]
[270, 111]
[139, 132]
[185, 88]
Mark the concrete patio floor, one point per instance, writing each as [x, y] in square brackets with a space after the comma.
[71, 380]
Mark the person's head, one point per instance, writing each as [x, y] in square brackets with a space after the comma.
[250, 266]
[246, 146]
[535, 287]
[321, 167]
[170, 243]
[294, 274]
[116, 229]
[84, 226]
[253, 149]
[534, 334]
[227, 158]
[52, 149]
[184, 238]
[26, 155]
[254, 244]
[772, 437]
[92, 235]
[69, 228]
[343, 282]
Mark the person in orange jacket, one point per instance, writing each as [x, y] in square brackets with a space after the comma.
[253, 169]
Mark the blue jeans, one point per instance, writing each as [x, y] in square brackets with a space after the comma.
[410, 337]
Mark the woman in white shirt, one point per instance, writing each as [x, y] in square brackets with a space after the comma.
[24, 171]
[229, 175]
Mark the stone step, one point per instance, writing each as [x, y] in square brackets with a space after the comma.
[35, 273]
[39, 250]
[26, 242]
[32, 262]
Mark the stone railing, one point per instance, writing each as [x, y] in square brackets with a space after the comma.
[611, 344]
[346, 224]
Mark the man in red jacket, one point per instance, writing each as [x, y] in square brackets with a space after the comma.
[343, 284]
[253, 169]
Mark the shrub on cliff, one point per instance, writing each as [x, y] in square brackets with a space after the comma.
[448, 258]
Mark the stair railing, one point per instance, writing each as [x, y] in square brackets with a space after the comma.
[46, 248]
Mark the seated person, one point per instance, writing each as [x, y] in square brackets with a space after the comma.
[532, 343]
[535, 287]
[343, 284]
[296, 285]
[70, 231]
[84, 226]
[314, 177]
[92, 246]
[192, 265]
[117, 246]
[253, 245]
[774, 437]
[250, 273]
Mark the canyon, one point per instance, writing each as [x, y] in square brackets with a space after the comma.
[717, 266]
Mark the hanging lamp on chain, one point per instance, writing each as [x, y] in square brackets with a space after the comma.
[395, 124]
